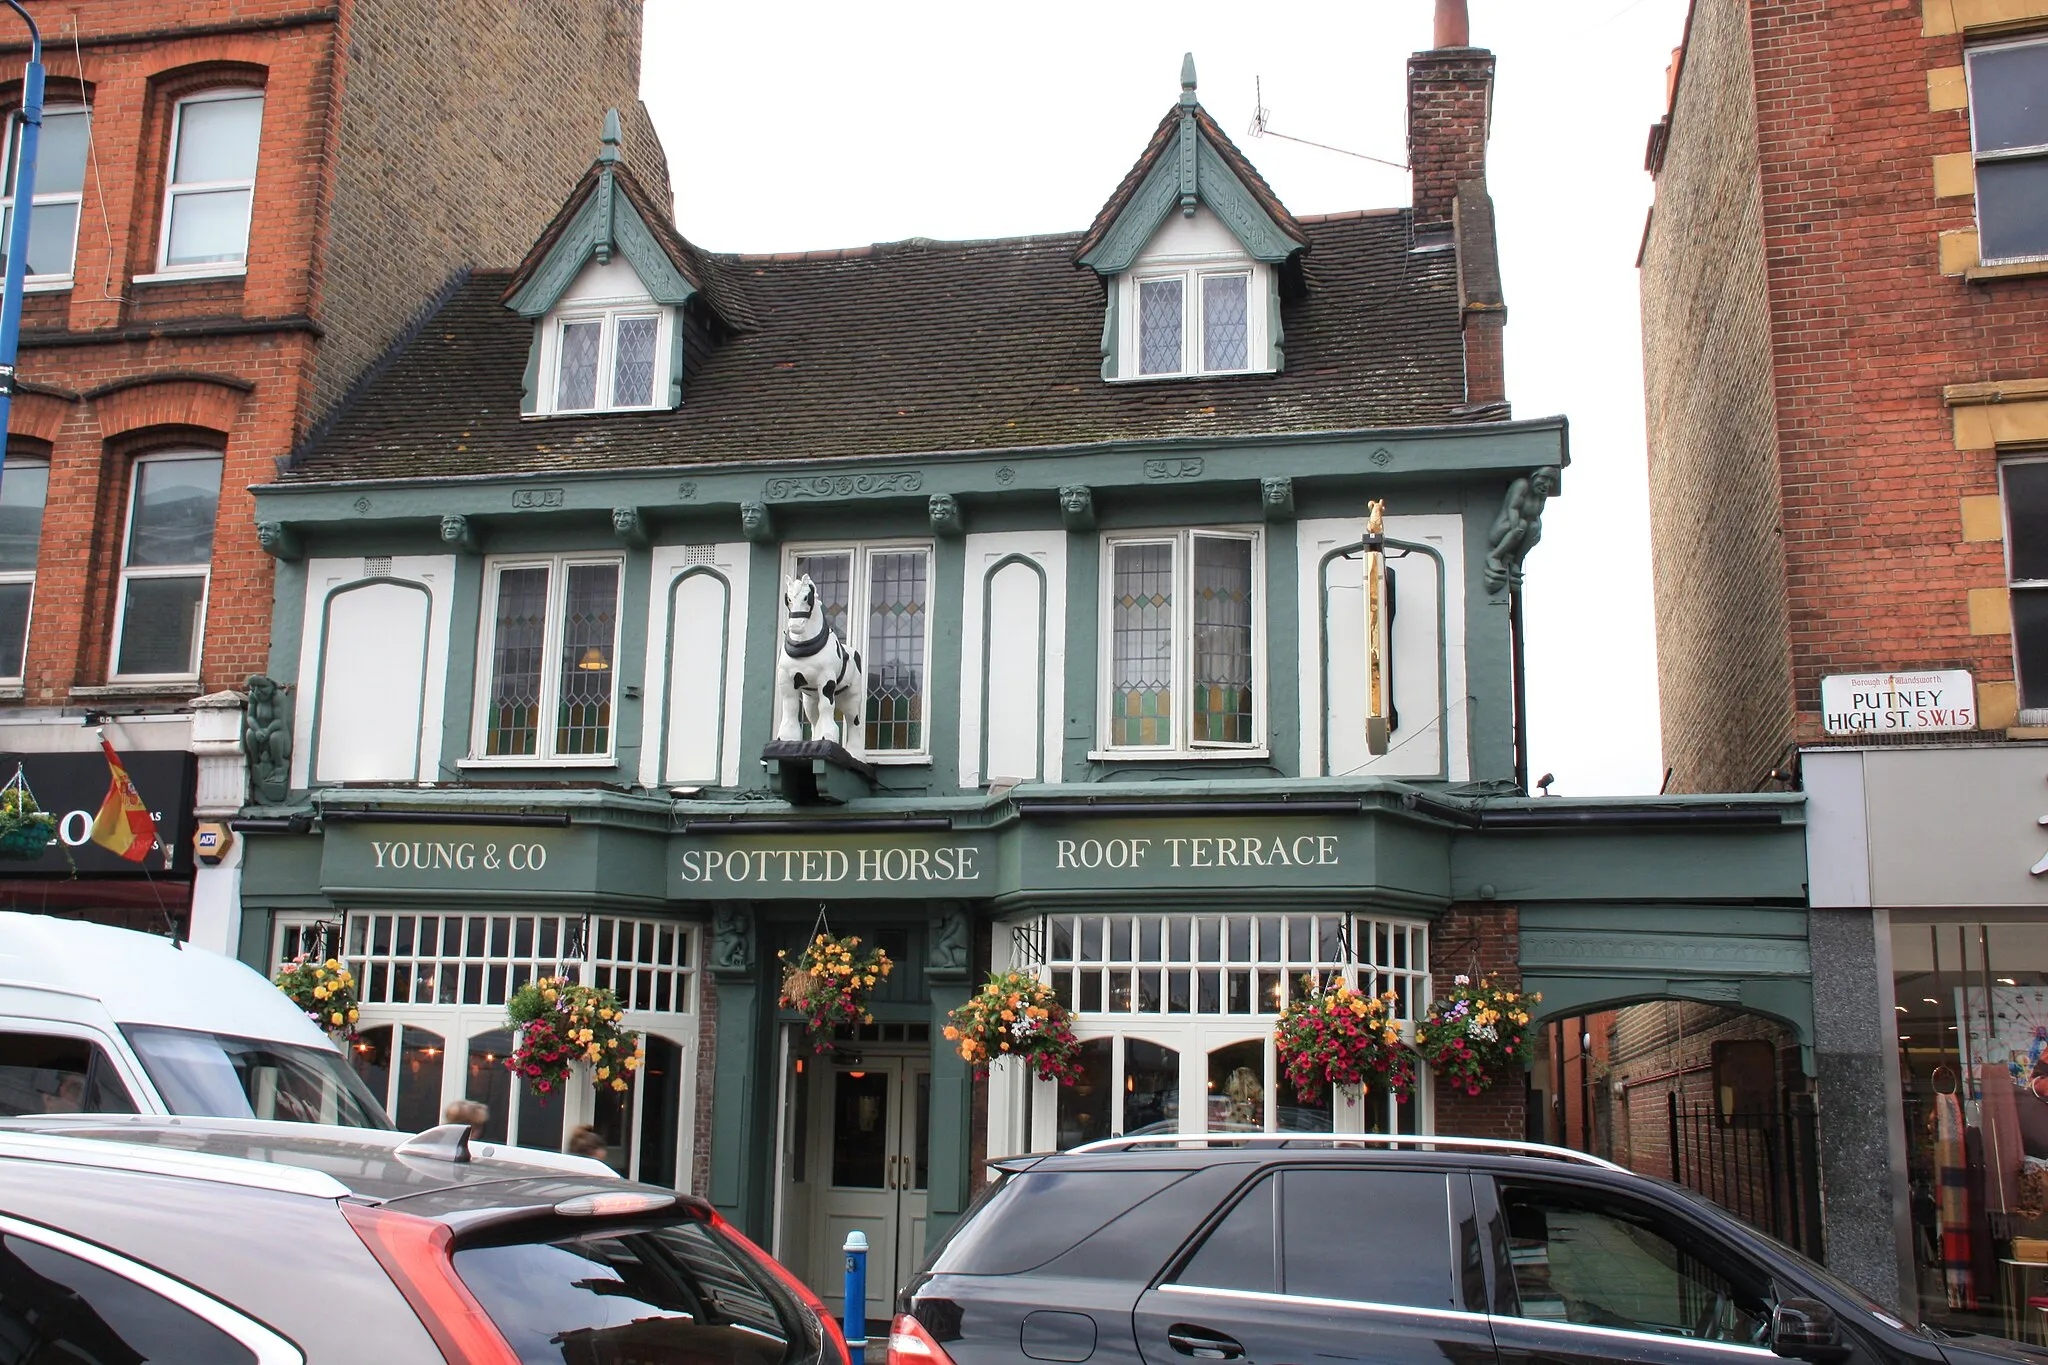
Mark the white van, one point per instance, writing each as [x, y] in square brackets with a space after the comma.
[101, 1020]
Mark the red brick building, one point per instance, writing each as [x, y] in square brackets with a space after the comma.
[1845, 325]
[237, 210]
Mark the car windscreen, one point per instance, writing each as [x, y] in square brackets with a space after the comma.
[219, 1075]
[1037, 1215]
[677, 1291]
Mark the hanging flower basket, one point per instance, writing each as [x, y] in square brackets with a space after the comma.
[829, 984]
[1337, 1036]
[1016, 1015]
[560, 1024]
[1476, 1033]
[26, 829]
[326, 991]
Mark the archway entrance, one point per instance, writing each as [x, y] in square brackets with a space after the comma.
[1702, 1094]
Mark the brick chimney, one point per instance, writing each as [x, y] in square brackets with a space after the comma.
[1450, 102]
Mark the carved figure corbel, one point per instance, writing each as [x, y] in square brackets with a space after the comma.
[1276, 498]
[280, 541]
[458, 534]
[946, 515]
[1518, 527]
[950, 942]
[628, 526]
[755, 523]
[1077, 507]
[732, 938]
[267, 742]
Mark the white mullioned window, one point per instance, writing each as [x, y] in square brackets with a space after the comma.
[548, 659]
[1183, 641]
[60, 184]
[602, 358]
[878, 598]
[211, 184]
[23, 490]
[166, 564]
[2009, 142]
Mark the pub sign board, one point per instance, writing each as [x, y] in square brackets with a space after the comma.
[1898, 703]
[72, 787]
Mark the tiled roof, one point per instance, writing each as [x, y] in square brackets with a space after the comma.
[916, 348]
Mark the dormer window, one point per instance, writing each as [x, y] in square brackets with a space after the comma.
[606, 360]
[1194, 322]
[1193, 303]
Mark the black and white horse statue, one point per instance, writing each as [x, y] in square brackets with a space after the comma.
[818, 680]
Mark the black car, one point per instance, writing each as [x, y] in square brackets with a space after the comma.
[184, 1241]
[1290, 1251]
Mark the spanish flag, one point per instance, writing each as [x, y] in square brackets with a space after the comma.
[123, 825]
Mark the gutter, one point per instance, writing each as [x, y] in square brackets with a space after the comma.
[1608, 818]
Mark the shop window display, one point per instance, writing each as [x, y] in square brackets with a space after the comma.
[1971, 1001]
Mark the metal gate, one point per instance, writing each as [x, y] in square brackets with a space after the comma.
[1762, 1165]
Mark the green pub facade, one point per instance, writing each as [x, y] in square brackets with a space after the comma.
[1091, 508]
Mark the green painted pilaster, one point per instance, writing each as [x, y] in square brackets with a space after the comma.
[1283, 649]
[742, 1134]
[287, 618]
[951, 1115]
[254, 946]
[630, 667]
[757, 696]
[466, 597]
[1489, 649]
[1084, 601]
[949, 591]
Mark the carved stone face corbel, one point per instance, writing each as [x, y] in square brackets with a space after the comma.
[630, 527]
[459, 534]
[280, 541]
[755, 523]
[1276, 498]
[1077, 507]
[947, 518]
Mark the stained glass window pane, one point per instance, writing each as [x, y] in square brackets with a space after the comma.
[1225, 337]
[583, 719]
[1223, 640]
[1159, 326]
[895, 651]
[633, 364]
[832, 574]
[1141, 643]
[576, 369]
[517, 641]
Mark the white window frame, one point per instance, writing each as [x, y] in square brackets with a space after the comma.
[173, 189]
[2037, 153]
[608, 313]
[558, 566]
[1183, 747]
[2027, 715]
[28, 576]
[34, 283]
[1191, 273]
[203, 572]
[856, 624]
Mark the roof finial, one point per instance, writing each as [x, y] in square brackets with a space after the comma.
[609, 150]
[1187, 79]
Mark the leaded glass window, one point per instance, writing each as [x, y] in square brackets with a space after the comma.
[886, 590]
[1225, 325]
[1223, 640]
[1141, 635]
[553, 646]
[1182, 622]
[1159, 326]
[607, 359]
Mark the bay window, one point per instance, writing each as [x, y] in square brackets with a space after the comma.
[1183, 641]
[550, 646]
[212, 182]
[166, 563]
[878, 599]
[24, 484]
[60, 183]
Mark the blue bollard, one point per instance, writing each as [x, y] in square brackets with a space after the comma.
[856, 1289]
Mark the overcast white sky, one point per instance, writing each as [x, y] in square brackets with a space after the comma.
[812, 125]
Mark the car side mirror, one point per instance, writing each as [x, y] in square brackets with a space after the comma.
[1806, 1329]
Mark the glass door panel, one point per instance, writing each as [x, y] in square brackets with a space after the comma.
[660, 1101]
[1237, 1087]
[1151, 1088]
[1086, 1109]
[418, 1105]
[488, 1082]
[370, 1055]
[860, 1113]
